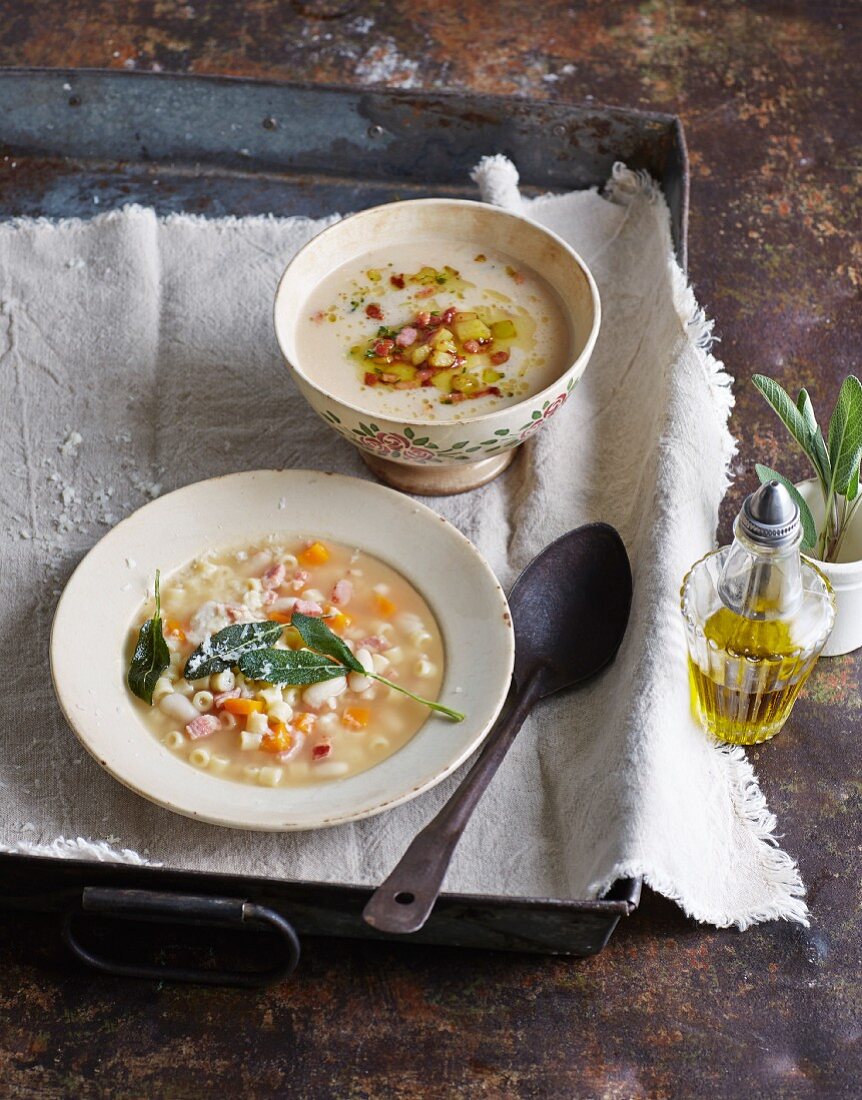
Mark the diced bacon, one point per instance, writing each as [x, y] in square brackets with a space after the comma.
[412, 385]
[498, 357]
[300, 578]
[342, 591]
[425, 375]
[389, 378]
[308, 607]
[202, 726]
[371, 378]
[270, 596]
[322, 750]
[384, 347]
[449, 315]
[423, 319]
[374, 312]
[222, 695]
[407, 336]
[425, 292]
[375, 644]
[274, 576]
[397, 281]
[473, 346]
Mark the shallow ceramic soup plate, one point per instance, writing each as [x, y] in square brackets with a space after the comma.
[101, 608]
[422, 454]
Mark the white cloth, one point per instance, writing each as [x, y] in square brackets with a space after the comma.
[137, 355]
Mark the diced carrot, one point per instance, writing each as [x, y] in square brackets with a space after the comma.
[356, 718]
[316, 554]
[277, 739]
[304, 721]
[385, 606]
[243, 706]
[175, 630]
[279, 616]
[339, 621]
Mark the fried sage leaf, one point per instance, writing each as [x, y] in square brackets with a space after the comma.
[289, 666]
[225, 648]
[317, 636]
[151, 656]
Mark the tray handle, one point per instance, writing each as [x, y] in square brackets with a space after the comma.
[169, 908]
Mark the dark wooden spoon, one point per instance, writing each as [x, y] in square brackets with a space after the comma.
[570, 609]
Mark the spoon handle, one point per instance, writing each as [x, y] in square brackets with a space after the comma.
[403, 902]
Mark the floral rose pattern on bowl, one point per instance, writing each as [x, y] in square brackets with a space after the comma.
[406, 446]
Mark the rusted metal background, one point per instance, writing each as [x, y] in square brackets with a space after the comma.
[770, 96]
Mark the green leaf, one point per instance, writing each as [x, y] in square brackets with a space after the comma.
[289, 666]
[151, 656]
[225, 648]
[818, 444]
[853, 485]
[845, 434]
[317, 636]
[794, 420]
[809, 527]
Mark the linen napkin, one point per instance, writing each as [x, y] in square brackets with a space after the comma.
[137, 355]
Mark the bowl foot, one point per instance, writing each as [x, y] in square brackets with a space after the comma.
[438, 481]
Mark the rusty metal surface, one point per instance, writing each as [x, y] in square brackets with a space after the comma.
[769, 94]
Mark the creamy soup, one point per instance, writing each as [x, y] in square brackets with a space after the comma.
[274, 735]
[433, 330]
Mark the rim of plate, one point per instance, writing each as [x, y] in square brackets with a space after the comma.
[96, 612]
[547, 393]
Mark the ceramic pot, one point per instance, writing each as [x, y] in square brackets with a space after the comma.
[438, 456]
[845, 576]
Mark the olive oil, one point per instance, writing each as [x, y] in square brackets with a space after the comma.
[757, 616]
[755, 676]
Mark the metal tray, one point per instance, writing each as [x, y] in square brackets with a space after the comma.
[215, 146]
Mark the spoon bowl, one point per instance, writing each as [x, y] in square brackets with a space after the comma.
[570, 609]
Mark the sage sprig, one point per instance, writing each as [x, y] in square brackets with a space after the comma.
[225, 648]
[151, 656]
[282, 666]
[835, 459]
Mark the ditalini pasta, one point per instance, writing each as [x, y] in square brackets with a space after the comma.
[271, 734]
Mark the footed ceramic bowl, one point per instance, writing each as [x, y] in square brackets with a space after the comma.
[436, 456]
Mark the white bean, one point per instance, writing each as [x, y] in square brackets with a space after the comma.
[162, 688]
[202, 700]
[223, 681]
[381, 663]
[318, 695]
[179, 708]
[356, 681]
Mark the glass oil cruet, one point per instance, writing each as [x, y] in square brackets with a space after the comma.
[757, 614]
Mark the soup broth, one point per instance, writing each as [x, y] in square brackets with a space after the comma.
[272, 735]
[434, 330]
